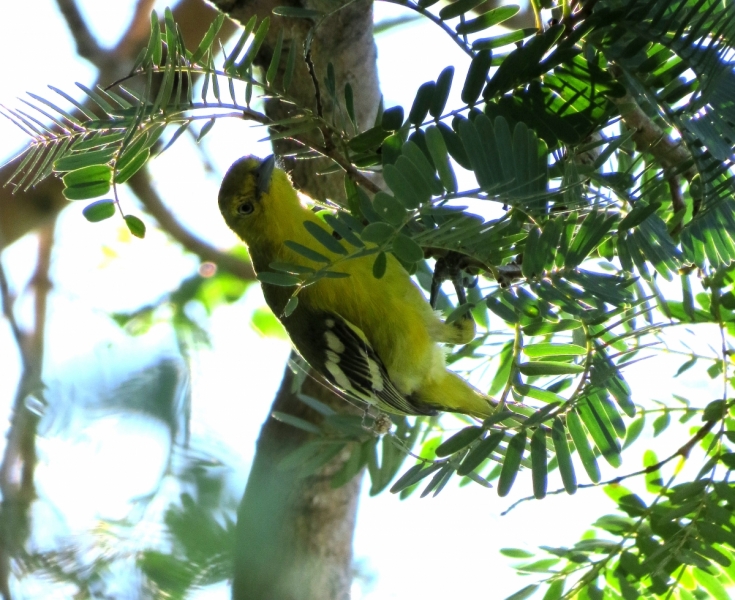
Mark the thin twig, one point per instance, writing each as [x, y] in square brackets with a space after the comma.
[682, 452]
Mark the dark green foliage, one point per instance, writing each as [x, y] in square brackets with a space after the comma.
[586, 224]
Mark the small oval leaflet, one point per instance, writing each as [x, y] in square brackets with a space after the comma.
[135, 225]
[512, 463]
[99, 211]
[563, 456]
[379, 266]
[480, 452]
[392, 118]
[389, 209]
[86, 191]
[88, 175]
[443, 85]
[550, 368]
[407, 250]
[539, 469]
[378, 233]
[459, 440]
[324, 238]
[281, 279]
[291, 305]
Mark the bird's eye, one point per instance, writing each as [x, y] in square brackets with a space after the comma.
[245, 208]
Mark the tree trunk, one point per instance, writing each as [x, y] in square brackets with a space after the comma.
[294, 535]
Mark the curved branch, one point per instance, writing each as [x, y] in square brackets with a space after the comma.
[143, 189]
[87, 45]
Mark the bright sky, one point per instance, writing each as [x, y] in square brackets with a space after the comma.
[433, 548]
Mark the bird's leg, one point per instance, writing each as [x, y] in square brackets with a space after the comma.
[449, 267]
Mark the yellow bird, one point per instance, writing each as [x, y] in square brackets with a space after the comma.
[375, 339]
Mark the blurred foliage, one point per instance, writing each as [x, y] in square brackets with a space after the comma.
[591, 219]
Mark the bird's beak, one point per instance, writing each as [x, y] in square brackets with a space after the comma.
[265, 173]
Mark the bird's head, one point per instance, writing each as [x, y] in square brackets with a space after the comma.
[248, 192]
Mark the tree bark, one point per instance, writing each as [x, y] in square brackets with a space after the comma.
[294, 535]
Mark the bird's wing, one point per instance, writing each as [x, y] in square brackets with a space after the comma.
[351, 364]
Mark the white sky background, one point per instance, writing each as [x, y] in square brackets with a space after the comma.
[433, 548]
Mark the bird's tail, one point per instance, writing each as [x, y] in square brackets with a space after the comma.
[453, 394]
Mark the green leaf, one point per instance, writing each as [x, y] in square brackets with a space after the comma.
[367, 140]
[589, 235]
[539, 368]
[206, 128]
[135, 226]
[539, 468]
[406, 249]
[459, 440]
[441, 92]
[458, 8]
[421, 103]
[88, 175]
[406, 191]
[272, 71]
[480, 452]
[350, 103]
[504, 311]
[553, 349]
[579, 436]
[516, 553]
[563, 456]
[85, 191]
[526, 592]
[389, 209]
[512, 462]
[545, 327]
[324, 238]
[154, 43]
[79, 161]
[280, 279]
[343, 229]
[380, 265]
[711, 584]
[133, 166]
[291, 305]
[598, 424]
[418, 169]
[392, 118]
[488, 19]
[476, 77]
[208, 38]
[240, 44]
[297, 422]
[503, 39]
[377, 233]
[99, 211]
[414, 475]
[247, 60]
[661, 423]
[438, 151]
[307, 252]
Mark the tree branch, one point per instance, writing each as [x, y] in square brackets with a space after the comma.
[141, 185]
[19, 459]
[87, 45]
